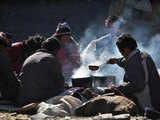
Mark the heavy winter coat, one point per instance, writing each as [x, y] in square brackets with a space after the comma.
[41, 78]
[142, 77]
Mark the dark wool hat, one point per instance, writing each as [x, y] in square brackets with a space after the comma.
[51, 44]
[63, 29]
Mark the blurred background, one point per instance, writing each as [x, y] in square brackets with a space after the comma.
[27, 17]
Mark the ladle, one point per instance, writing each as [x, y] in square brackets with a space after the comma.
[95, 67]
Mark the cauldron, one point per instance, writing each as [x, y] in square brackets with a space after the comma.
[82, 82]
[94, 81]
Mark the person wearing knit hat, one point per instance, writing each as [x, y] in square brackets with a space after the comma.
[64, 33]
[68, 54]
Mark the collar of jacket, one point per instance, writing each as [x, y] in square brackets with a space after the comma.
[132, 54]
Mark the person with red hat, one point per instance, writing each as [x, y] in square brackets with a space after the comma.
[68, 54]
[9, 84]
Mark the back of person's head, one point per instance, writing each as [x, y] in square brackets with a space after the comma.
[33, 43]
[126, 41]
[51, 44]
[4, 40]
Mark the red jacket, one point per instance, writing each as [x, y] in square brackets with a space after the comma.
[16, 55]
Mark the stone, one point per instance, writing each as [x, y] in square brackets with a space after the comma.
[107, 104]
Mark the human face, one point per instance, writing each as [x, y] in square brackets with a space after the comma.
[125, 52]
[107, 24]
[65, 39]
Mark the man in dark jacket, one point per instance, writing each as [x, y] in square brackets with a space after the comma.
[141, 75]
[41, 74]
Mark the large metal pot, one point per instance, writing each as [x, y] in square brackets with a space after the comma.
[94, 81]
[82, 82]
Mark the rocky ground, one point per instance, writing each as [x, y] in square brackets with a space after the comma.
[15, 116]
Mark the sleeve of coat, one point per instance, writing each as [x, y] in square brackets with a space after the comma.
[136, 77]
[121, 62]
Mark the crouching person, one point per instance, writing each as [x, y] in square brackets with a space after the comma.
[141, 75]
[41, 74]
[8, 82]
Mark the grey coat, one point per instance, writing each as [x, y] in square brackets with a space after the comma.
[41, 78]
[135, 77]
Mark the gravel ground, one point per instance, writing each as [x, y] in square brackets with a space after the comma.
[14, 116]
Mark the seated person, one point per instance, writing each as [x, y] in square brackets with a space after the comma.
[8, 82]
[41, 74]
[68, 54]
[141, 75]
[19, 51]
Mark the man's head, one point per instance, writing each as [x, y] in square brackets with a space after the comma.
[32, 44]
[63, 32]
[4, 40]
[110, 20]
[51, 44]
[126, 44]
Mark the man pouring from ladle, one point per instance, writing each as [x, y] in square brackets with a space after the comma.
[141, 76]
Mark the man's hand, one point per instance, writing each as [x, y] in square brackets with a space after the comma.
[112, 61]
[114, 89]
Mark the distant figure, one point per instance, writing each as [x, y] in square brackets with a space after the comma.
[19, 51]
[8, 82]
[68, 54]
[113, 26]
[141, 76]
[106, 42]
[41, 74]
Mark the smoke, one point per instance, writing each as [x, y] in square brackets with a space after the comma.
[153, 48]
[97, 53]
[159, 71]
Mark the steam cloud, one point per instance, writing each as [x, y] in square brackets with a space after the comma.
[141, 31]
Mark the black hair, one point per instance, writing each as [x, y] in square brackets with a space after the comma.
[112, 19]
[126, 41]
[51, 44]
[9, 35]
[34, 42]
